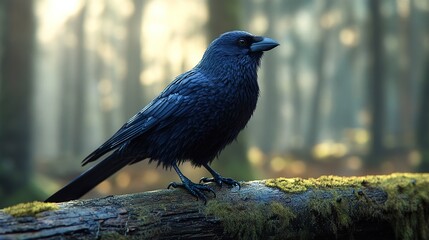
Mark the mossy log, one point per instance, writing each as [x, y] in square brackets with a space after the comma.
[329, 207]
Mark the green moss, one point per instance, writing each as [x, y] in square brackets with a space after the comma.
[291, 185]
[30, 208]
[280, 218]
[332, 211]
[252, 221]
[406, 207]
[145, 215]
[113, 236]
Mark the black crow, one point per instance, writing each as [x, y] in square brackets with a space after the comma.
[193, 119]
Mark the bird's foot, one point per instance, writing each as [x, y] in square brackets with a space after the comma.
[219, 180]
[195, 189]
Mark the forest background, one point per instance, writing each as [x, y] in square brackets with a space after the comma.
[346, 92]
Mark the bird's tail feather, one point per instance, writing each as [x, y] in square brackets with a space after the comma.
[89, 179]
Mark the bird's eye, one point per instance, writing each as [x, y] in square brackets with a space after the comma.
[242, 42]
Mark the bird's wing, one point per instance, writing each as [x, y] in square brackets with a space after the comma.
[171, 104]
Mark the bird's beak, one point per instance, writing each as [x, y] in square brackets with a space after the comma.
[263, 44]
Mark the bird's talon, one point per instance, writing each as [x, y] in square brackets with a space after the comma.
[172, 184]
[203, 180]
[196, 190]
[219, 180]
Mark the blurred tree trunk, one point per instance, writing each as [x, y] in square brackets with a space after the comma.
[17, 43]
[312, 135]
[224, 15]
[81, 78]
[376, 85]
[341, 89]
[422, 129]
[405, 65]
[105, 72]
[296, 94]
[270, 98]
[68, 77]
[132, 96]
[68, 107]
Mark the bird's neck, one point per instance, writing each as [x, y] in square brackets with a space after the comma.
[240, 69]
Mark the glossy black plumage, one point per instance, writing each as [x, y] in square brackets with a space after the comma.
[193, 119]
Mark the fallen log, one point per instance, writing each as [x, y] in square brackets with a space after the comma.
[329, 207]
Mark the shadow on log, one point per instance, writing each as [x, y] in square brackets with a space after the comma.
[329, 207]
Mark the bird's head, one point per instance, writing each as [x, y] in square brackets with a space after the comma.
[238, 48]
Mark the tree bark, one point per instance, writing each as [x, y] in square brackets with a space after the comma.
[378, 207]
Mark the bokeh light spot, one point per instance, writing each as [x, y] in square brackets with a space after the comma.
[354, 163]
[123, 179]
[104, 188]
[255, 156]
[277, 164]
